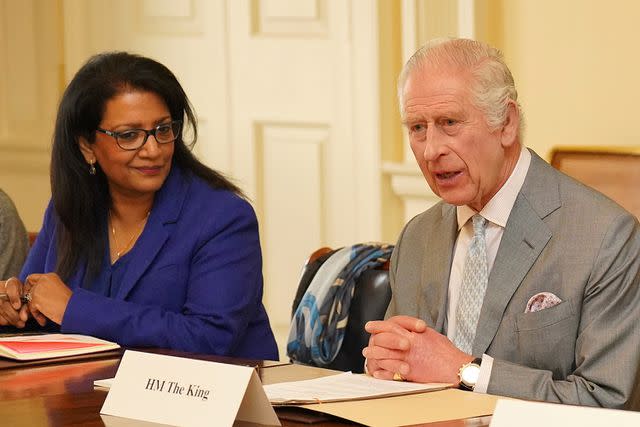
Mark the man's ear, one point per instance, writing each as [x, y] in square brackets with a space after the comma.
[87, 150]
[511, 127]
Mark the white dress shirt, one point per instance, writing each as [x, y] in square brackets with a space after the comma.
[496, 212]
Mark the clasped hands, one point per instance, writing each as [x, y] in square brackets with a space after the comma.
[407, 346]
[47, 298]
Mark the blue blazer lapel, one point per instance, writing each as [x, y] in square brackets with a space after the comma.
[524, 238]
[166, 210]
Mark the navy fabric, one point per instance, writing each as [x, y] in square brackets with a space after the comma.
[193, 281]
[117, 273]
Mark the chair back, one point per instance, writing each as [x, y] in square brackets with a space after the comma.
[614, 172]
[371, 297]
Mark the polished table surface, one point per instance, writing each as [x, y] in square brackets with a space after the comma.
[61, 393]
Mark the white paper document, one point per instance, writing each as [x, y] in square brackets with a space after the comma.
[346, 386]
[106, 383]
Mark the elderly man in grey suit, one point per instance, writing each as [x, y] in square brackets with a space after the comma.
[522, 282]
[14, 242]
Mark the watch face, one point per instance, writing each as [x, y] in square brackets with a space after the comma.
[470, 374]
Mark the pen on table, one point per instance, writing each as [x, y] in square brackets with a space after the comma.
[5, 297]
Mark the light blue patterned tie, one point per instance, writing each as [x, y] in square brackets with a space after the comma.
[474, 285]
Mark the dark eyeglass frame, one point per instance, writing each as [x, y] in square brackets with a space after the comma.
[148, 133]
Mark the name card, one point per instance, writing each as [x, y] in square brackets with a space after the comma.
[187, 392]
[521, 413]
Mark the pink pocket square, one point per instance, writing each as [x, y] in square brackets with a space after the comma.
[542, 301]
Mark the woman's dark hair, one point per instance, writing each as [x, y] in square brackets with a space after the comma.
[82, 200]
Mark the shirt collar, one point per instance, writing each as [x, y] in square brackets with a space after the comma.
[499, 207]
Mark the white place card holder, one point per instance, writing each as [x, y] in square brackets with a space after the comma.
[186, 392]
[522, 413]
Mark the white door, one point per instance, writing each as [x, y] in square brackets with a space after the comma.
[305, 129]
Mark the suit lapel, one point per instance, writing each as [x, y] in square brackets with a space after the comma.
[437, 267]
[524, 238]
[166, 210]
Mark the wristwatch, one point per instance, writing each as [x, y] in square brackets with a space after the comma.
[469, 373]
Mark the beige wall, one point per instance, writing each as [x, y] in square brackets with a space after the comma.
[30, 84]
[391, 144]
[576, 66]
[574, 61]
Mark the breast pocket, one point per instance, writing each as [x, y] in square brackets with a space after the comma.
[546, 338]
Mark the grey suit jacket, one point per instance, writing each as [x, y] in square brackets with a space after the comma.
[561, 237]
[14, 242]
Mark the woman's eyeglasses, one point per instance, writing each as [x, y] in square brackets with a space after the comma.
[133, 139]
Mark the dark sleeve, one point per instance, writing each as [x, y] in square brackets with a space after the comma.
[14, 242]
[37, 258]
[223, 293]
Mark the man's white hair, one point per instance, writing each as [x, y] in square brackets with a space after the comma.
[493, 86]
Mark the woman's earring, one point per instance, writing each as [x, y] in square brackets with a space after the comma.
[92, 169]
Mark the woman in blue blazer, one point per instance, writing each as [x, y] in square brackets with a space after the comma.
[141, 244]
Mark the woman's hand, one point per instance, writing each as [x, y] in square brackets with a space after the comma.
[48, 296]
[12, 312]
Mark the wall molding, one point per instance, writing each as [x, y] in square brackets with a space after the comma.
[408, 183]
[291, 202]
[272, 18]
[268, 134]
[170, 17]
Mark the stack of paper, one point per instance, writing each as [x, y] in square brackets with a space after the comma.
[46, 346]
[341, 387]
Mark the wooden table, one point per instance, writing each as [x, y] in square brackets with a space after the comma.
[62, 393]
